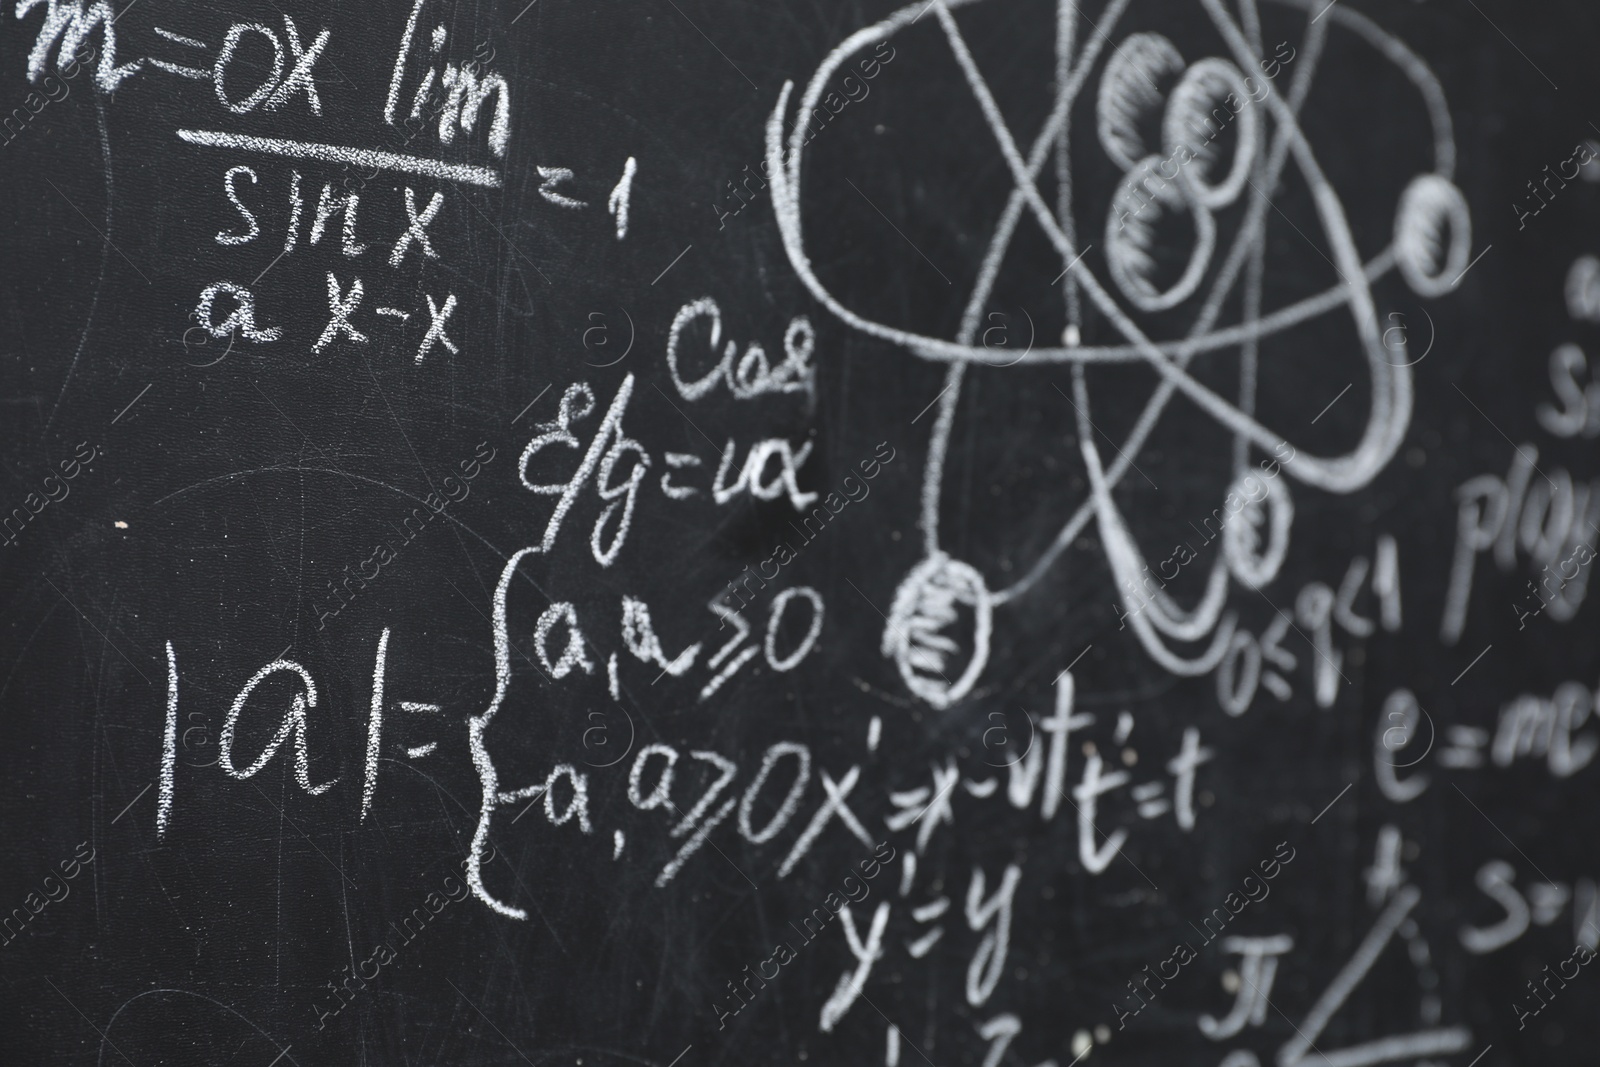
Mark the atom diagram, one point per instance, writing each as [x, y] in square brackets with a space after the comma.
[1142, 82]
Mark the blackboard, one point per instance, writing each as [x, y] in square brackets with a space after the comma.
[680, 532]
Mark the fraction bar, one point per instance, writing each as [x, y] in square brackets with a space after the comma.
[332, 153]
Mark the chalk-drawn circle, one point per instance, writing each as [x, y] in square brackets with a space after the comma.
[156, 1013]
[230, 43]
[1203, 91]
[775, 616]
[1143, 206]
[1432, 235]
[925, 610]
[1266, 503]
[791, 799]
[1130, 94]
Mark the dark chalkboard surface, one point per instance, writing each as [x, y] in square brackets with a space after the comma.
[681, 533]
